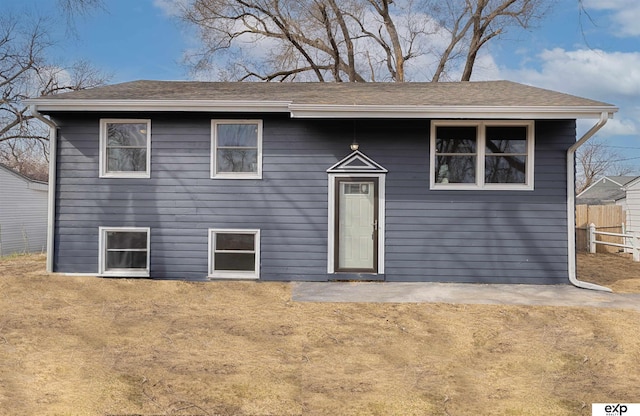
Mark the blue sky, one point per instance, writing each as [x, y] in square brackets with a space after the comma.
[567, 51]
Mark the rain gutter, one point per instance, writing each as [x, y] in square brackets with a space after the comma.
[51, 215]
[571, 205]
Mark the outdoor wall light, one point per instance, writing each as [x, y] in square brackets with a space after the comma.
[354, 144]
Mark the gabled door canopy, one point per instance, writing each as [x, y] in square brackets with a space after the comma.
[357, 162]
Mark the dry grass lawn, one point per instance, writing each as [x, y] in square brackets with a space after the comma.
[616, 271]
[90, 346]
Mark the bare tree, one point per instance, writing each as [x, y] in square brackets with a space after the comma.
[26, 157]
[25, 72]
[594, 160]
[350, 40]
[471, 24]
[73, 9]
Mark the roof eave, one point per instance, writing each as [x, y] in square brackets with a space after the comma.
[324, 110]
[484, 112]
[89, 105]
[631, 184]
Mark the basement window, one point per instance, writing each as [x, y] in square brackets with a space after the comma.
[234, 254]
[124, 251]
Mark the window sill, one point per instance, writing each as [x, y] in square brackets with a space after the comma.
[469, 187]
[127, 175]
[236, 176]
[233, 276]
[125, 273]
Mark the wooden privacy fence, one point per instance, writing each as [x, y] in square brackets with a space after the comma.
[606, 218]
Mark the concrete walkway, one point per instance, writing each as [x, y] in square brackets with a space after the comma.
[463, 293]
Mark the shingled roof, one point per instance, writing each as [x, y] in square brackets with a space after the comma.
[303, 96]
[605, 190]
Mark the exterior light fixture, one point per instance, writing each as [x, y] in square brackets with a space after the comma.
[354, 145]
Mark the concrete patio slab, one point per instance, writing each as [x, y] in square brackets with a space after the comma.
[461, 293]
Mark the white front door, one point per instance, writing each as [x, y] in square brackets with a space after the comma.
[357, 224]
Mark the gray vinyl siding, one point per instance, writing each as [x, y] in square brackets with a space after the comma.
[23, 214]
[464, 236]
[481, 236]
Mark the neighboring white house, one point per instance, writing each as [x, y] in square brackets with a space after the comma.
[23, 213]
[631, 205]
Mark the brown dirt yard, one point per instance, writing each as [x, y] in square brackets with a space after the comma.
[91, 346]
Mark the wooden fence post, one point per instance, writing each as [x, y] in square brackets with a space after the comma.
[592, 238]
[636, 247]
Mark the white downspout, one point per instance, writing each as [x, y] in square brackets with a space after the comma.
[571, 205]
[53, 145]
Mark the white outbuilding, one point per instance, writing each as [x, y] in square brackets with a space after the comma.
[23, 213]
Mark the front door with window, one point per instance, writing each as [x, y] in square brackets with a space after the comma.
[356, 228]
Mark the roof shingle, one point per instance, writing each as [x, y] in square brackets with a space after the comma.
[486, 93]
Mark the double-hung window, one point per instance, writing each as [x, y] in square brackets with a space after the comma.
[482, 155]
[124, 251]
[236, 149]
[125, 148]
[234, 253]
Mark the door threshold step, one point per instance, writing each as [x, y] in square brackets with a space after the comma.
[356, 277]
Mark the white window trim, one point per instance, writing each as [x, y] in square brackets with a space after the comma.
[331, 218]
[221, 274]
[103, 149]
[102, 263]
[480, 155]
[214, 150]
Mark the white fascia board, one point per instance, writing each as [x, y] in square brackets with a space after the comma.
[631, 184]
[38, 186]
[479, 112]
[161, 105]
[325, 110]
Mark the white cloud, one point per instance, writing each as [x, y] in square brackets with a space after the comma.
[593, 73]
[625, 14]
[485, 67]
[171, 8]
[614, 127]
[611, 77]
